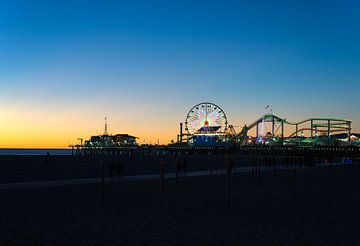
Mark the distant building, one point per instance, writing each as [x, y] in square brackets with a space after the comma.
[118, 140]
[110, 141]
[125, 139]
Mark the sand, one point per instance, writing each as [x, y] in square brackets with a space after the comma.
[35, 168]
[315, 206]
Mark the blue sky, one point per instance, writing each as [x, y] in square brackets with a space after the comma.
[151, 61]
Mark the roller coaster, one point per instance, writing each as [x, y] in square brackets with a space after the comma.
[206, 125]
[309, 131]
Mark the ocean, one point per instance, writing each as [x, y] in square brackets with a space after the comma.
[35, 151]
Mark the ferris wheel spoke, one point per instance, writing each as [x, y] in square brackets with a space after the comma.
[205, 115]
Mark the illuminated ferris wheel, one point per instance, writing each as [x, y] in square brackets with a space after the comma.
[205, 118]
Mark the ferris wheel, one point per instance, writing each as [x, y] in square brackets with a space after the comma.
[205, 118]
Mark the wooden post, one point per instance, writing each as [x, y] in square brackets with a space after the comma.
[234, 165]
[258, 174]
[102, 167]
[254, 166]
[252, 160]
[162, 176]
[227, 187]
[216, 164]
[287, 160]
[176, 170]
[274, 163]
[211, 167]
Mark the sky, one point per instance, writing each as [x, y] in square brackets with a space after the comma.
[64, 65]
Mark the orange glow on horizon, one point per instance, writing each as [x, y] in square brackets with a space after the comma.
[29, 128]
[40, 129]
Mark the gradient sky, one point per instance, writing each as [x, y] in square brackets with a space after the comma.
[64, 65]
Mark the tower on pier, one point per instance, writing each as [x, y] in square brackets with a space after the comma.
[105, 130]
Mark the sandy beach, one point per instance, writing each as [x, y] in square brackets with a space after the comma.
[55, 167]
[35, 168]
[304, 207]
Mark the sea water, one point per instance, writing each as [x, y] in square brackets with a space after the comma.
[35, 151]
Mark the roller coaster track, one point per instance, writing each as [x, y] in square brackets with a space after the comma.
[343, 121]
[278, 119]
[340, 124]
[309, 129]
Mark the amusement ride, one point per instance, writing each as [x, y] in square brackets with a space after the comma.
[206, 125]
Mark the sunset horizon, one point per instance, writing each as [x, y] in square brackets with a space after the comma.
[179, 122]
[43, 136]
[67, 65]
